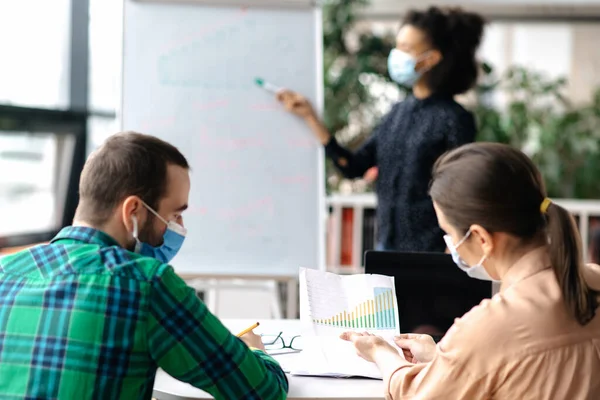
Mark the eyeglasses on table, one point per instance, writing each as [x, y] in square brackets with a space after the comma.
[279, 342]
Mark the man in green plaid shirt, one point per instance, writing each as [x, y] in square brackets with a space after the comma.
[93, 314]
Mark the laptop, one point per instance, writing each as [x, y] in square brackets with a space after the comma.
[431, 290]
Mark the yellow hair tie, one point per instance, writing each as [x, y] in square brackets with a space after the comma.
[545, 204]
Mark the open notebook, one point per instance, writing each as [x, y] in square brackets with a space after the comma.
[331, 304]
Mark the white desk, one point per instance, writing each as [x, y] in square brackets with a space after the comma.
[168, 388]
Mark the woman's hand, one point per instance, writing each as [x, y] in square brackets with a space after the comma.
[371, 174]
[416, 348]
[296, 104]
[367, 345]
[300, 106]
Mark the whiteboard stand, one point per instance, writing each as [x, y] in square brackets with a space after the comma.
[212, 283]
[213, 286]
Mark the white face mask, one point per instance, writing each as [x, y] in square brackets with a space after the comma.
[402, 67]
[477, 271]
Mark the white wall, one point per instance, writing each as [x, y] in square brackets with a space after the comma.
[35, 48]
[105, 67]
[585, 61]
[557, 49]
[542, 47]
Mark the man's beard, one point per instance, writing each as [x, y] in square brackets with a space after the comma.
[147, 235]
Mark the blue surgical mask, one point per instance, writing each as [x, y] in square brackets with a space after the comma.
[172, 240]
[402, 68]
[477, 271]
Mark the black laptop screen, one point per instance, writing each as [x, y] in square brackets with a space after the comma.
[431, 290]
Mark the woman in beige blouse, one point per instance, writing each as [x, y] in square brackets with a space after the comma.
[539, 337]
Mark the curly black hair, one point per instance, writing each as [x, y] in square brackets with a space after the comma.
[457, 35]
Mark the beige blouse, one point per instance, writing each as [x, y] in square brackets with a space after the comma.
[521, 344]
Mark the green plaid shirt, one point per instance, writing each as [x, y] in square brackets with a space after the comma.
[82, 318]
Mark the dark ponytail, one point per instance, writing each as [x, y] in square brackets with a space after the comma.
[456, 34]
[568, 264]
[499, 188]
[595, 246]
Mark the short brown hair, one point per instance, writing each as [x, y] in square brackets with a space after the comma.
[127, 164]
[499, 188]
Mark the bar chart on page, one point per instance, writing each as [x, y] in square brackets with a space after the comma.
[371, 314]
[337, 303]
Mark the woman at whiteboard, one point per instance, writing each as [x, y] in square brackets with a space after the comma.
[435, 55]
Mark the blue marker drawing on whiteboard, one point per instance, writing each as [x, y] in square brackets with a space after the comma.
[267, 86]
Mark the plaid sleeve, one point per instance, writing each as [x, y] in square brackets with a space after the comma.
[192, 345]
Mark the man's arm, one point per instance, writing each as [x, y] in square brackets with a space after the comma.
[192, 345]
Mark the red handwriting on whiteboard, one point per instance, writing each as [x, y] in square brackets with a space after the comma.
[263, 206]
[231, 143]
[150, 125]
[222, 164]
[302, 142]
[248, 230]
[265, 107]
[196, 210]
[199, 106]
[205, 30]
[300, 180]
[228, 164]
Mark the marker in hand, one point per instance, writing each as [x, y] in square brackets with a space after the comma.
[293, 102]
[267, 86]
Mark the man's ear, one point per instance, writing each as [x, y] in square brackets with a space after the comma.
[131, 206]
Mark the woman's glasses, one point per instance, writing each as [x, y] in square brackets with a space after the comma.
[278, 342]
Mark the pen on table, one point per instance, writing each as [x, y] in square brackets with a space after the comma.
[253, 326]
[269, 87]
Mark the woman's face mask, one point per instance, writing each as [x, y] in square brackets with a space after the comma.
[477, 271]
[402, 67]
[173, 239]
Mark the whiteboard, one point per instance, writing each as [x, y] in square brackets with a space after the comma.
[257, 197]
